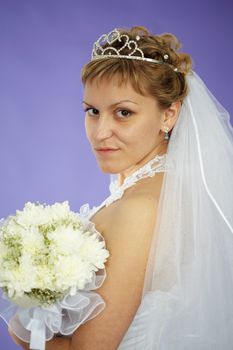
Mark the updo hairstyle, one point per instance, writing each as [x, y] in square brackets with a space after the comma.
[157, 80]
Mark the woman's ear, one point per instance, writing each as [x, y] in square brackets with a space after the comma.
[170, 115]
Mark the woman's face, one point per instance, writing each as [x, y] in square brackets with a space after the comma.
[121, 119]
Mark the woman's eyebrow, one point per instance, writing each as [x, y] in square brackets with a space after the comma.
[114, 104]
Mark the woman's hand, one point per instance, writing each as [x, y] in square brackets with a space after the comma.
[18, 341]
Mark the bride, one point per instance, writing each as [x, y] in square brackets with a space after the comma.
[168, 145]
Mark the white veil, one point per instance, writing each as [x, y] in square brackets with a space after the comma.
[188, 291]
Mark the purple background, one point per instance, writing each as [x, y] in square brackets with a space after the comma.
[45, 155]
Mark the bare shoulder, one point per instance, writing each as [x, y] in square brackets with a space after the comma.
[145, 192]
[137, 206]
[134, 213]
[128, 228]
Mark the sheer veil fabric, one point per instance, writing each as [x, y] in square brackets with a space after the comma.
[187, 301]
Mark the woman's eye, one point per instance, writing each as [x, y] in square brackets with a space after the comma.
[124, 113]
[92, 111]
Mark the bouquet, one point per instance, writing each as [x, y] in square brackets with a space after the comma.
[51, 260]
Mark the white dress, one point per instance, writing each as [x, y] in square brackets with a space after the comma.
[135, 337]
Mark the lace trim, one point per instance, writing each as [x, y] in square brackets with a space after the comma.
[155, 165]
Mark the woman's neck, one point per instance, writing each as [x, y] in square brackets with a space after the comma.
[159, 150]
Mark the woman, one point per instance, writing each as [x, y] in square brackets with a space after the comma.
[167, 223]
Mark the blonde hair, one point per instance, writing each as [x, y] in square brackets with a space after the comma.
[157, 80]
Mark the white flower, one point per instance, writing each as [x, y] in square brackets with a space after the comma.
[46, 251]
[66, 240]
[94, 252]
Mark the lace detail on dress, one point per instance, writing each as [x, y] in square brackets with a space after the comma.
[86, 212]
[155, 165]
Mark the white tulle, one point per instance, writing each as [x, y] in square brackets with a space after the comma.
[36, 325]
[187, 301]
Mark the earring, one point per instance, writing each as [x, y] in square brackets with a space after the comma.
[166, 129]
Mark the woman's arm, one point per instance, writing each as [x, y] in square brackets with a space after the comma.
[128, 238]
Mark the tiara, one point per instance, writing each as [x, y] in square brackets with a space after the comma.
[98, 52]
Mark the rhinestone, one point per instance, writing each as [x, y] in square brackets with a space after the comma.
[135, 53]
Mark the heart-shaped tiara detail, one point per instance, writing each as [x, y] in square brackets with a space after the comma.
[135, 53]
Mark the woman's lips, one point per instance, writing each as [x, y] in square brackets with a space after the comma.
[106, 151]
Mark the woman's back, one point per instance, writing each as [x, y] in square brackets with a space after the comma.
[127, 226]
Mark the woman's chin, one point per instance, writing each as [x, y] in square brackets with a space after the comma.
[108, 168]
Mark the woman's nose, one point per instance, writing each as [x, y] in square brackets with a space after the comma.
[104, 127]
